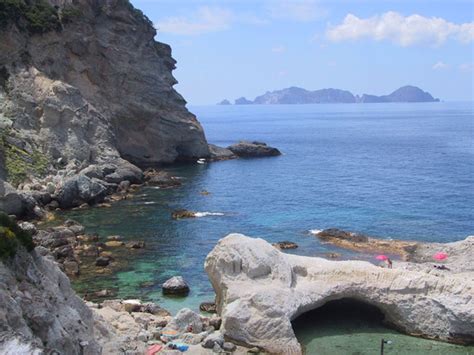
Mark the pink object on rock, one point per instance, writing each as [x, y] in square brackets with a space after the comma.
[381, 257]
[154, 349]
[440, 256]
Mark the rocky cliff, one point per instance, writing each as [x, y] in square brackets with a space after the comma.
[85, 80]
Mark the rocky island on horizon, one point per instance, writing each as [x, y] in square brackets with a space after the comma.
[299, 96]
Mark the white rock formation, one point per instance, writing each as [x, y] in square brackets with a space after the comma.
[260, 290]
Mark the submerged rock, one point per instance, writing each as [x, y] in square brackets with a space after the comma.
[179, 214]
[209, 307]
[260, 290]
[285, 245]
[361, 242]
[246, 149]
[176, 286]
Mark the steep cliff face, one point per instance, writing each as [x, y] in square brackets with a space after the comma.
[96, 87]
[39, 310]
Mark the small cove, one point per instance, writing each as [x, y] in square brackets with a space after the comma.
[402, 171]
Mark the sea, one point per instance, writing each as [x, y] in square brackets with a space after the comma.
[397, 170]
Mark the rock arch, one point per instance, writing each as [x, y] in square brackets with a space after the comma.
[260, 290]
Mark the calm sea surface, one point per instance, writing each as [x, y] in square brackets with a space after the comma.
[401, 171]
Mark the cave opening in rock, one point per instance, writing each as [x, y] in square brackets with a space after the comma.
[346, 324]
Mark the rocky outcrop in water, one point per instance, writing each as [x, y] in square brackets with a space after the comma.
[94, 87]
[260, 290]
[245, 149]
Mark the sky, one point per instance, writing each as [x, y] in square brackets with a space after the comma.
[229, 49]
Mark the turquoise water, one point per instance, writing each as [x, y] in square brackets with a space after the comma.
[350, 329]
[393, 170]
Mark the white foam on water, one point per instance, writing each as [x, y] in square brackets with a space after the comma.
[315, 231]
[205, 214]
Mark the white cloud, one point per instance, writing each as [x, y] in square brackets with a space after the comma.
[465, 67]
[402, 30]
[205, 20]
[440, 65]
[296, 10]
[279, 49]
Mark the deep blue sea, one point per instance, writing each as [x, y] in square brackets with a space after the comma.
[401, 171]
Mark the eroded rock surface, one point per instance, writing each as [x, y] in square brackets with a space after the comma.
[99, 88]
[39, 309]
[260, 290]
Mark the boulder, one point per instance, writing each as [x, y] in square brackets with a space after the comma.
[175, 286]
[260, 290]
[80, 189]
[212, 339]
[186, 321]
[11, 201]
[246, 149]
[125, 171]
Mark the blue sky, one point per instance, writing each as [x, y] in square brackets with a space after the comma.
[228, 49]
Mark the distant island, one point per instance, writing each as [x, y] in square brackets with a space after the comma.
[297, 96]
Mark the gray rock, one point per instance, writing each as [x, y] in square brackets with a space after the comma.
[246, 149]
[103, 261]
[125, 171]
[186, 321]
[29, 227]
[11, 201]
[219, 153]
[80, 189]
[229, 347]
[212, 339]
[176, 285]
[39, 305]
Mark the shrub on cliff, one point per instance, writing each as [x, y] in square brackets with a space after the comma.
[12, 236]
[34, 16]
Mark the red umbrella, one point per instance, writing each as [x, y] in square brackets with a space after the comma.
[381, 257]
[440, 255]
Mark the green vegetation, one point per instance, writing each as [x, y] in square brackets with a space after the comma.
[19, 163]
[69, 14]
[34, 16]
[12, 236]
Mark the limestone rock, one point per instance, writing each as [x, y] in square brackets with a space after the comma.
[99, 89]
[39, 305]
[186, 321]
[260, 290]
[253, 150]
